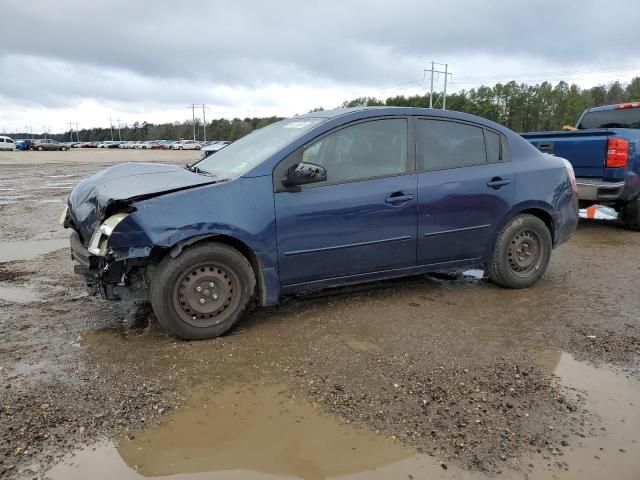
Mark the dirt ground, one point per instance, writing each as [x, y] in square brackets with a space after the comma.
[436, 376]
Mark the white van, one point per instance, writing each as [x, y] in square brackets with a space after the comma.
[7, 143]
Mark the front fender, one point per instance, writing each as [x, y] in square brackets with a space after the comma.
[241, 209]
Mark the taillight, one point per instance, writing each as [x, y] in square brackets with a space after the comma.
[617, 153]
[571, 174]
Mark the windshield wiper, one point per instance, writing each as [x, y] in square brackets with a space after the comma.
[195, 169]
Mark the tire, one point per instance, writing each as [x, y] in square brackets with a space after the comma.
[521, 253]
[40, 149]
[631, 215]
[180, 148]
[63, 149]
[228, 286]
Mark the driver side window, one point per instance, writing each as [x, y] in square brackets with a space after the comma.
[370, 149]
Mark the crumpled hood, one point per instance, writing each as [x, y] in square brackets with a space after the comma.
[92, 197]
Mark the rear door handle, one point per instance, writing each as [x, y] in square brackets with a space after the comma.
[398, 199]
[498, 182]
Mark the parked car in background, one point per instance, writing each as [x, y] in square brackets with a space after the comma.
[7, 143]
[212, 147]
[186, 145]
[604, 150]
[336, 197]
[23, 144]
[47, 144]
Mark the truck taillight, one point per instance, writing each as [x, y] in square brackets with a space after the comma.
[617, 153]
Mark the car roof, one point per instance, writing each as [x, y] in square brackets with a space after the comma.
[371, 112]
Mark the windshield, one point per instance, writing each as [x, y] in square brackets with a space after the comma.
[618, 118]
[242, 155]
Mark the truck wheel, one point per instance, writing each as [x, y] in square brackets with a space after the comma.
[202, 292]
[521, 252]
[631, 215]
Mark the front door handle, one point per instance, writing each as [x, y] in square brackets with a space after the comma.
[498, 182]
[398, 198]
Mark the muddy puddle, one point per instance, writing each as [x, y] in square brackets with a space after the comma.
[28, 249]
[18, 294]
[612, 450]
[256, 433]
[262, 433]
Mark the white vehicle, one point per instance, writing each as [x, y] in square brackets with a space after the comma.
[7, 143]
[186, 145]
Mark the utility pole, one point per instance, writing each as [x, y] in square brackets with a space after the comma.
[193, 115]
[77, 132]
[204, 124]
[446, 73]
[119, 135]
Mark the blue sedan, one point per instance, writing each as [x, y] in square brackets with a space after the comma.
[316, 201]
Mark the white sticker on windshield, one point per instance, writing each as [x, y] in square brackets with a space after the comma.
[297, 124]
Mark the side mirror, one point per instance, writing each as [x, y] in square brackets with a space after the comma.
[303, 173]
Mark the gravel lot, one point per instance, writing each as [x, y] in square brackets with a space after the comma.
[433, 376]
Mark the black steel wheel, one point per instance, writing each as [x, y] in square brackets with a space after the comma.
[521, 252]
[524, 253]
[203, 292]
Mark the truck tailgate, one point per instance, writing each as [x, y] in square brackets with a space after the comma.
[585, 149]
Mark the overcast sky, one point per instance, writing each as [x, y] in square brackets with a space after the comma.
[85, 61]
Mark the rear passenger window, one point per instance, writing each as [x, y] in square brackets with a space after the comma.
[493, 146]
[441, 145]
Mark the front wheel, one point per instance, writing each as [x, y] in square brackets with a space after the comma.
[203, 292]
[180, 148]
[631, 215]
[40, 149]
[521, 252]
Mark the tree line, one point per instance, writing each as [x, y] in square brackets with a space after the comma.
[519, 106]
[522, 107]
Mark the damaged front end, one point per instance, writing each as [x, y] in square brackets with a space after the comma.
[113, 274]
[113, 253]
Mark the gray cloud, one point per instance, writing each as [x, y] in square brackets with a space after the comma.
[164, 50]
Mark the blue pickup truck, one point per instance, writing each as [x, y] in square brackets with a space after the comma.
[605, 153]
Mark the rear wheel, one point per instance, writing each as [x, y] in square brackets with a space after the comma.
[203, 292]
[631, 215]
[63, 148]
[521, 252]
